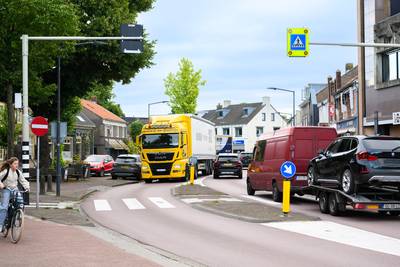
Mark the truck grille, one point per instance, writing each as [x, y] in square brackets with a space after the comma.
[161, 168]
[161, 156]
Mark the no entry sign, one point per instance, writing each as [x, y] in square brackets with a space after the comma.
[39, 126]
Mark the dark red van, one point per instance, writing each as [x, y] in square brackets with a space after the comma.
[296, 144]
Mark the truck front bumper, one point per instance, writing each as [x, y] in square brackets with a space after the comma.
[177, 170]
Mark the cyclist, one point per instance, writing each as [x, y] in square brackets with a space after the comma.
[10, 177]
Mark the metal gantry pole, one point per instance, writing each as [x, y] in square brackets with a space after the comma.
[58, 175]
[25, 121]
[294, 109]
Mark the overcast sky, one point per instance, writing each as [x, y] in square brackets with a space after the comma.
[241, 48]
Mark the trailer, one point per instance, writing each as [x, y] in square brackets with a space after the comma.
[334, 201]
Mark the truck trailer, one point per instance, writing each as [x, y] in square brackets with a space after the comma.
[170, 144]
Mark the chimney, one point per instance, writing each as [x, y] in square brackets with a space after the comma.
[226, 103]
[266, 100]
[94, 99]
[349, 66]
[338, 80]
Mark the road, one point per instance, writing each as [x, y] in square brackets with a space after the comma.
[148, 213]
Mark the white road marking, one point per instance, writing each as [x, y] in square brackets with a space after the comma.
[133, 204]
[101, 205]
[342, 234]
[161, 203]
[262, 200]
[199, 200]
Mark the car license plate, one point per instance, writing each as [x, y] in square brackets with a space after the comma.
[301, 178]
[161, 170]
[391, 206]
[228, 172]
[125, 167]
[228, 164]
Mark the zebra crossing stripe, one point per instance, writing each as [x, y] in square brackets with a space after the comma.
[101, 205]
[161, 203]
[133, 204]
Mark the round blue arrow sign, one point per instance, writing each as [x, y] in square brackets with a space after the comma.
[288, 169]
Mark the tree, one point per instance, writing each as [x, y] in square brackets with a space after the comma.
[104, 96]
[183, 87]
[4, 127]
[135, 128]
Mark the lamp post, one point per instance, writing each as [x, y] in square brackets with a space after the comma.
[154, 103]
[294, 101]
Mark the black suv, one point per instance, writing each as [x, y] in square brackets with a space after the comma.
[228, 164]
[357, 163]
[246, 158]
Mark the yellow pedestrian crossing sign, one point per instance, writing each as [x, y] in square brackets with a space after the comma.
[297, 42]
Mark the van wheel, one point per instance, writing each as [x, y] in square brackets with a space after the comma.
[311, 176]
[347, 182]
[250, 190]
[276, 194]
[323, 203]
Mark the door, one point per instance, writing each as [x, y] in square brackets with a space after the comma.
[324, 162]
[343, 156]
[255, 170]
[108, 163]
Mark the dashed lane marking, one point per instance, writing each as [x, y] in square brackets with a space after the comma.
[133, 204]
[342, 234]
[200, 200]
[101, 205]
[161, 203]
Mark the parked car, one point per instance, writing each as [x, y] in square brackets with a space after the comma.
[228, 164]
[356, 163]
[296, 144]
[246, 158]
[127, 165]
[100, 164]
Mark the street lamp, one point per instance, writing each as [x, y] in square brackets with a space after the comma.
[294, 101]
[154, 103]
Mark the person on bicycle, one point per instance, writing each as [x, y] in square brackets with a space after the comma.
[10, 176]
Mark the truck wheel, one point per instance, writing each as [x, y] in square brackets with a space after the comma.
[394, 213]
[276, 194]
[148, 181]
[347, 182]
[323, 203]
[250, 190]
[335, 207]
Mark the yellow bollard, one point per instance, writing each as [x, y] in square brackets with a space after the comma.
[286, 197]
[191, 175]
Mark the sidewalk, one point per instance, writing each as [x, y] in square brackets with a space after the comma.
[50, 244]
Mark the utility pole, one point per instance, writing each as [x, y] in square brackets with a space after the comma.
[294, 101]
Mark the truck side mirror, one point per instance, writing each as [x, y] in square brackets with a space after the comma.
[137, 140]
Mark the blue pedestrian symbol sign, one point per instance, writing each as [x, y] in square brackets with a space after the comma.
[288, 169]
[298, 42]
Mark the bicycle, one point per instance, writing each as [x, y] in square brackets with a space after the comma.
[15, 217]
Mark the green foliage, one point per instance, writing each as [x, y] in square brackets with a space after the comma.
[132, 147]
[183, 87]
[135, 128]
[4, 127]
[104, 95]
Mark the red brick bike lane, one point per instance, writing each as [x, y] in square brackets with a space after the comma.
[49, 244]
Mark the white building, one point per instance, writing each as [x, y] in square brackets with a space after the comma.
[245, 122]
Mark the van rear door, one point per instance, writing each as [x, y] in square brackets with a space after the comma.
[256, 168]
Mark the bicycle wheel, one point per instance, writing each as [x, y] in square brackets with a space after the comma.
[17, 225]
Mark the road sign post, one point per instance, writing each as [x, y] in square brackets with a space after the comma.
[39, 127]
[288, 170]
[298, 42]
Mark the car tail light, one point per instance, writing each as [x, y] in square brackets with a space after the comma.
[366, 156]
[364, 170]
[359, 206]
[238, 164]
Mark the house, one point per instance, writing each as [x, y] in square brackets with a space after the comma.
[308, 107]
[245, 122]
[110, 132]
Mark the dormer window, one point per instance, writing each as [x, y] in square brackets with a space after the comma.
[222, 113]
[247, 111]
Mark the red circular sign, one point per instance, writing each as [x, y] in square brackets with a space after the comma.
[39, 126]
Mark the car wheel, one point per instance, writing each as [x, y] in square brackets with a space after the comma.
[394, 213]
[215, 176]
[347, 182]
[276, 194]
[250, 190]
[113, 177]
[323, 202]
[311, 176]
[240, 176]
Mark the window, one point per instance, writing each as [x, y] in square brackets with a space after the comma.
[225, 131]
[272, 116]
[259, 131]
[334, 147]
[260, 148]
[390, 66]
[345, 145]
[354, 144]
[238, 131]
[220, 113]
[264, 117]
[216, 131]
[245, 112]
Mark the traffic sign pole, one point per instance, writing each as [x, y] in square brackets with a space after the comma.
[38, 172]
[288, 170]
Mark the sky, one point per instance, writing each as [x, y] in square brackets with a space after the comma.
[240, 46]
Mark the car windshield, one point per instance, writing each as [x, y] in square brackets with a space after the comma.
[126, 160]
[160, 140]
[381, 144]
[94, 158]
[227, 158]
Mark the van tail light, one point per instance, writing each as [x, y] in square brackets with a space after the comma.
[366, 156]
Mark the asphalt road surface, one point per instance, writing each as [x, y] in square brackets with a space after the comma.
[150, 214]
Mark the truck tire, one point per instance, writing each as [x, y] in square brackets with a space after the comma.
[250, 190]
[323, 202]
[336, 208]
[276, 194]
[394, 213]
[148, 181]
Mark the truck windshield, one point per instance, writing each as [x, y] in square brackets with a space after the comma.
[160, 140]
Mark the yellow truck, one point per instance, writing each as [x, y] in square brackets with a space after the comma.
[170, 144]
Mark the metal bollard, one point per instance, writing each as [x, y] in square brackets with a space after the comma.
[286, 197]
[42, 185]
[49, 183]
[191, 175]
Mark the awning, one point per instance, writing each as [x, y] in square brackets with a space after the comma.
[116, 144]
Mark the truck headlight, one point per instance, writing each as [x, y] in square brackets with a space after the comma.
[145, 168]
[177, 166]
